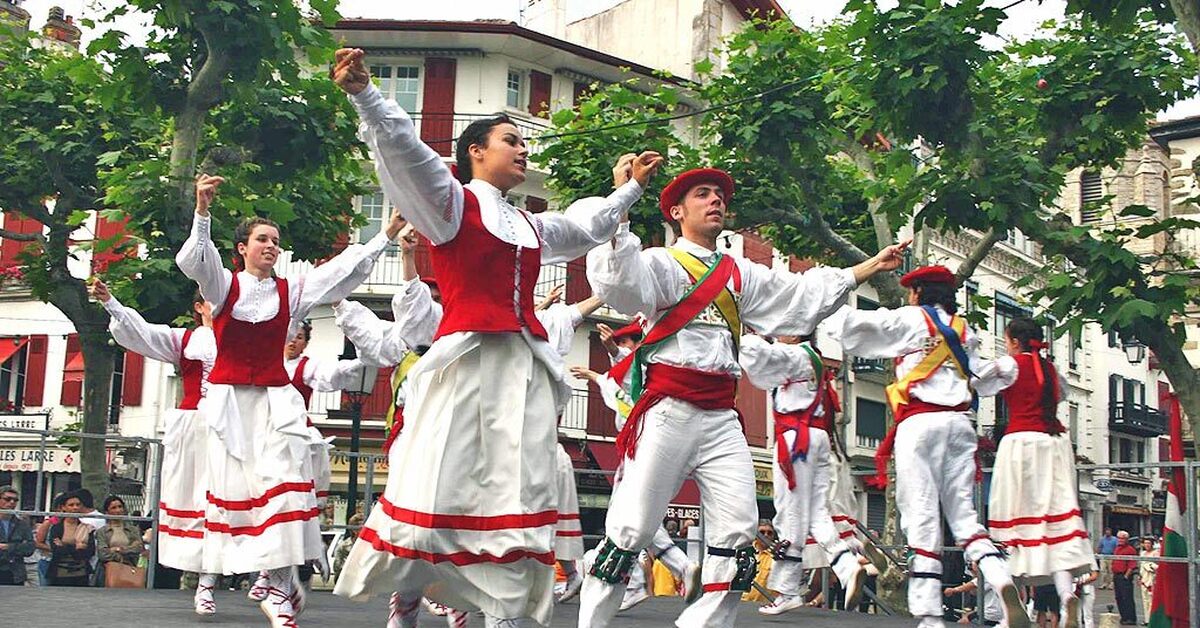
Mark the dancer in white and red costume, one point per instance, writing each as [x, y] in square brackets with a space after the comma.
[181, 500]
[262, 511]
[381, 342]
[475, 529]
[803, 402]
[1033, 508]
[685, 422]
[308, 376]
[933, 440]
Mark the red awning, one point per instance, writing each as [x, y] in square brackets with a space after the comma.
[607, 458]
[575, 450]
[73, 371]
[10, 346]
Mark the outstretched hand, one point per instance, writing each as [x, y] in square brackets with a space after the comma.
[395, 223]
[349, 71]
[206, 190]
[99, 290]
[892, 257]
[644, 167]
[623, 171]
[582, 372]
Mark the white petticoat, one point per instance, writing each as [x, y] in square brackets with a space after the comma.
[1034, 508]
[471, 505]
[262, 508]
[568, 534]
[181, 493]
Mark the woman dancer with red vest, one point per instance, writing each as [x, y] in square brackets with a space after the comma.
[685, 421]
[1033, 508]
[461, 519]
[934, 440]
[262, 510]
[804, 403]
[181, 494]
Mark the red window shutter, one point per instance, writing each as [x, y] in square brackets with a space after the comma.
[72, 389]
[578, 287]
[535, 204]
[752, 403]
[1164, 454]
[755, 249]
[539, 93]
[600, 420]
[106, 229]
[797, 265]
[35, 371]
[131, 381]
[10, 248]
[376, 405]
[437, 110]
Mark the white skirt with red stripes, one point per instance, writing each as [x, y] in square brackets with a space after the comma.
[316, 464]
[261, 510]
[1034, 508]
[469, 514]
[181, 501]
[568, 534]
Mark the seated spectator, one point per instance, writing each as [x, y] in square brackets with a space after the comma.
[765, 561]
[343, 547]
[16, 539]
[70, 564]
[118, 541]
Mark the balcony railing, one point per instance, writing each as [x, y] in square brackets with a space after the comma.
[440, 129]
[1136, 419]
[867, 365]
[575, 415]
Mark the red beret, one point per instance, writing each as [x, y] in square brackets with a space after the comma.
[632, 329]
[681, 184]
[928, 274]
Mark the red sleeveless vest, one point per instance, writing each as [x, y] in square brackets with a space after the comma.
[1024, 398]
[306, 391]
[192, 374]
[251, 354]
[479, 274]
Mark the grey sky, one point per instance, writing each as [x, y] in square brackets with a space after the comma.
[1023, 18]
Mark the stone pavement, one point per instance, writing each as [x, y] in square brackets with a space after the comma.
[34, 607]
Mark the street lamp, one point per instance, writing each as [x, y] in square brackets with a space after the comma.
[1135, 351]
[359, 390]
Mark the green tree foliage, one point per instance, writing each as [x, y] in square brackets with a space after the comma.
[123, 130]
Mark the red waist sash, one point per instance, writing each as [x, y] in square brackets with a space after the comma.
[884, 454]
[709, 391]
[798, 422]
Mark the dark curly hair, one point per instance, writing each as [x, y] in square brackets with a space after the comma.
[476, 133]
[241, 235]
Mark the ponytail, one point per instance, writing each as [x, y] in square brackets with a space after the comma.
[1031, 338]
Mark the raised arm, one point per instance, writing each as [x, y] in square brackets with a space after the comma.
[411, 173]
[198, 257]
[630, 280]
[782, 303]
[337, 278]
[994, 376]
[376, 340]
[131, 331]
[327, 375]
[560, 322]
[884, 333]
[769, 366]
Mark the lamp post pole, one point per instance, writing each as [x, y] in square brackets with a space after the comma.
[355, 431]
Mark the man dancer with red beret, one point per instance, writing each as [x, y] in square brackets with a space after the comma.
[933, 439]
[683, 378]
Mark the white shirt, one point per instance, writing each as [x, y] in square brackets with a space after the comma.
[161, 342]
[995, 376]
[785, 369]
[904, 333]
[415, 178]
[328, 375]
[259, 299]
[633, 280]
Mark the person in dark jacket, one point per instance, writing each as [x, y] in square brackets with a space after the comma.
[16, 539]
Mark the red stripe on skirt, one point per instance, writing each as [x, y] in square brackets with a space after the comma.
[569, 533]
[458, 559]
[1028, 521]
[260, 501]
[467, 522]
[190, 534]
[567, 516]
[180, 514]
[1047, 540]
[278, 518]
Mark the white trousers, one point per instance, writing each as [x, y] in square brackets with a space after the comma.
[568, 535]
[677, 439]
[935, 474]
[803, 511]
[664, 549]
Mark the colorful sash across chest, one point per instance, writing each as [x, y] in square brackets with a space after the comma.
[799, 421]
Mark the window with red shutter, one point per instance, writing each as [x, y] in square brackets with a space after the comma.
[437, 109]
[376, 405]
[131, 385]
[600, 420]
[539, 93]
[578, 287]
[752, 403]
[72, 388]
[35, 371]
[16, 223]
[107, 242]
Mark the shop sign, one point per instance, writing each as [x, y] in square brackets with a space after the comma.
[55, 459]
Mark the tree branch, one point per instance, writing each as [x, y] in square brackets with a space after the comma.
[976, 257]
[19, 237]
[861, 157]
